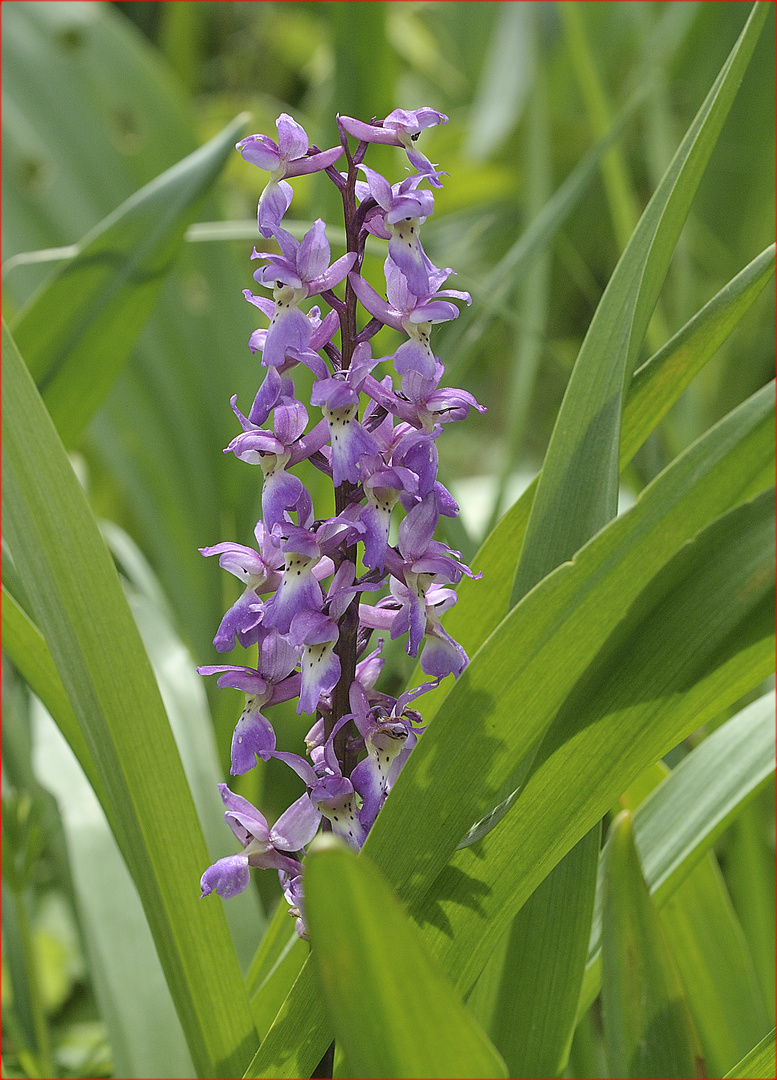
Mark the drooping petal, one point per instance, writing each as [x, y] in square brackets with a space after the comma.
[314, 162]
[379, 187]
[281, 492]
[238, 677]
[374, 303]
[227, 877]
[265, 305]
[411, 121]
[418, 452]
[442, 655]
[277, 657]
[368, 132]
[333, 275]
[325, 330]
[254, 446]
[240, 624]
[243, 818]
[417, 529]
[274, 201]
[267, 397]
[253, 736]
[290, 420]
[289, 329]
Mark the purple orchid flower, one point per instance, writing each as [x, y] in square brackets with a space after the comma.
[403, 210]
[441, 654]
[262, 847]
[270, 682]
[388, 740]
[321, 332]
[400, 128]
[382, 484]
[402, 610]
[419, 561]
[288, 157]
[338, 397]
[422, 404]
[299, 590]
[317, 633]
[329, 793]
[302, 270]
[261, 572]
[295, 897]
[275, 451]
[410, 314]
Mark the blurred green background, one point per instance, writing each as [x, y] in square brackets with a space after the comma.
[98, 99]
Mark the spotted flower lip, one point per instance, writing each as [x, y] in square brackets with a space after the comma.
[329, 792]
[299, 591]
[273, 681]
[339, 400]
[320, 665]
[302, 270]
[388, 740]
[412, 315]
[404, 210]
[261, 572]
[321, 332]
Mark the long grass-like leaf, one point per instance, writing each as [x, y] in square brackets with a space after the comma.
[686, 814]
[758, 1064]
[369, 958]
[578, 489]
[79, 328]
[79, 605]
[715, 966]
[26, 647]
[648, 1028]
[656, 386]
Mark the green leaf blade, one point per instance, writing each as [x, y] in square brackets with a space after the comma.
[612, 726]
[79, 328]
[680, 821]
[578, 490]
[647, 1023]
[758, 1064]
[79, 605]
[661, 379]
[715, 966]
[476, 721]
[534, 1017]
[372, 965]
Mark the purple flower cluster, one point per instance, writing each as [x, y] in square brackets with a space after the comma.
[302, 605]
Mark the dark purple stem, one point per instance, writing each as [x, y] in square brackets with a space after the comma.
[344, 494]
